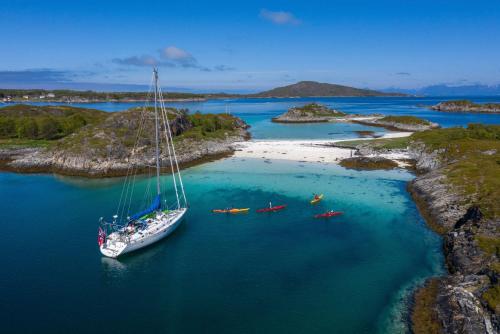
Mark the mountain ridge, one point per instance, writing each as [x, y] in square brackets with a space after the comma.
[320, 89]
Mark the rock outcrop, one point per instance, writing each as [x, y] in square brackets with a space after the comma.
[459, 303]
[467, 106]
[310, 113]
[125, 140]
[401, 123]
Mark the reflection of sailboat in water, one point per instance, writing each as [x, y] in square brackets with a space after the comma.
[157, 220]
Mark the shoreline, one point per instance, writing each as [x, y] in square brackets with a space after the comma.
[4, 167]
[319, 150]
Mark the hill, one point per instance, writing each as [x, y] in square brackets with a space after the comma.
[314, 89]
[87, 142]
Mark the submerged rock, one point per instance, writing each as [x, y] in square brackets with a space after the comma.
[368, 163]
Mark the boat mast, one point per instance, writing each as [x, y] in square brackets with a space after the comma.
[157, 133]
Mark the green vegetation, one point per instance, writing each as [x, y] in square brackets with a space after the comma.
[315, 109]
[44, 122]
[495, 266]
[210, 126]
[492, 297]
[64, 95]
[22, 143]
[472, 158]
[490, 245]
[118, 133]
[470, 104]
[364, 163]
[411, 120]
[378, 144]
[424, 318]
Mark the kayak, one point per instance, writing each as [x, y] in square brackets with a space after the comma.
[272, 209]
[316, 200]
[230, 210]
[328, 214]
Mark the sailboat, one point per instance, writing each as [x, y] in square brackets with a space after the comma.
[157, 220]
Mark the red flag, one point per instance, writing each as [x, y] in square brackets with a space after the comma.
[101, 237]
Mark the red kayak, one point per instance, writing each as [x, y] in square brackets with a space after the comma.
[272, 209]
[328, 214]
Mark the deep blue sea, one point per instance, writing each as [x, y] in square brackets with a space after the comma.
[284, 272]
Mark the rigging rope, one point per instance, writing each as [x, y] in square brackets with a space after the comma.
[169, 132]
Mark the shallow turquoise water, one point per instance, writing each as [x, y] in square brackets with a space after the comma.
[268, 273]
[258, 113]
[253, 273]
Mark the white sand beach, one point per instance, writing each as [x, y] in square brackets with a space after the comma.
[306, 150]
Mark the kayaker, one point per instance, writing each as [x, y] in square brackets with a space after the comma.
[316, 196]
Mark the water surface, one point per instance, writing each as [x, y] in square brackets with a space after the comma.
[282, 272]
[268, 273]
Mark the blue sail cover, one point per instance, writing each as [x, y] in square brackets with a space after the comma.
[153, 207]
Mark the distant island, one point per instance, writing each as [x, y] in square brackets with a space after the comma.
[300, 89]
[94, 143]
[75, 96]
[318, 89]
[404, 123]
[318, 113]
[309, 113]
[467, 106]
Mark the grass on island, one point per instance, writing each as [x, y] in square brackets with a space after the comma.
[30, 123]
[490, 245]
[470, 104]
[378, 144]
[316, 109]
[210, 126]
[472, 159]
[113, 138]
[492, 297]
[424, 318]
[79, 129]
[410, 120]
[363, 163]
[13, 143]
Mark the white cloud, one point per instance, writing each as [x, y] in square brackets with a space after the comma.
[176, 54]
[144, 60]
[170, 56]
[279, 17]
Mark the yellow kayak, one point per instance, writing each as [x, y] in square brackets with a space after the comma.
[239, 210]
[316, 200]
[231, 210]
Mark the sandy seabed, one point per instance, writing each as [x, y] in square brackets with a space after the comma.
[306, 150]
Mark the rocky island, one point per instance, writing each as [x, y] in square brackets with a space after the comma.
[88, 142]
[401, 123]
[318, 113]
[309, 113]
[458, 192]
[467, 106]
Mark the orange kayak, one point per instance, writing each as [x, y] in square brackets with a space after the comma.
[234, 210]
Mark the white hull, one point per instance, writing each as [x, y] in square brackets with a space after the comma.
[119, 243]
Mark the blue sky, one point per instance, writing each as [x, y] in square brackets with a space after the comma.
[249, 45]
